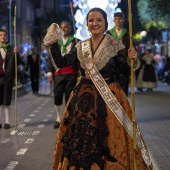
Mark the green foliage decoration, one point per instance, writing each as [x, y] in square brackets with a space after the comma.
[155, 13]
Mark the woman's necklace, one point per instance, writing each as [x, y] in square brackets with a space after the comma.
[94, 47]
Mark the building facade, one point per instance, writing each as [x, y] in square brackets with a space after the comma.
[27, 13]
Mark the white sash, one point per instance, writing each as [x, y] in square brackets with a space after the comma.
[110, 99]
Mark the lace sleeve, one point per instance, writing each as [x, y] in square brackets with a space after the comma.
[137, 64]
[54, 33]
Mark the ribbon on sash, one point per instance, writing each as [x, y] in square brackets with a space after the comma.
[110, 99]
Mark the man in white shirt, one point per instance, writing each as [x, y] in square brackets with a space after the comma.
[7, 75]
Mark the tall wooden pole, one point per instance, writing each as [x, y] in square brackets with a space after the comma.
[10, 20]
[132, 85]
[16, 70]
[72, 14]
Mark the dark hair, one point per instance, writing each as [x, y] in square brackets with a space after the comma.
[66, 22]
[3, 30]
[102, 12]
[149, 50]
[119, 14]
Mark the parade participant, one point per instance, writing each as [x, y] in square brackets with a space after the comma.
[96, 129]
[147, 77]
[7, 70]
[121, 33]
[33, 63]
[64, 78]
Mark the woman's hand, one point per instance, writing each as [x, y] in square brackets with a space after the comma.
[132, 54]
[54, 33]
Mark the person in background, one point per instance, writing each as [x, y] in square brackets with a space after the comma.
[64, 78]
[121, 33]
[33, 63]
[96, 128]
[140, 55]
[22, 76]
[147, 77]
[7, 75]
[166, 70]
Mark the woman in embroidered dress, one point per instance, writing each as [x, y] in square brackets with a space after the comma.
[91, 135]
[147, 77]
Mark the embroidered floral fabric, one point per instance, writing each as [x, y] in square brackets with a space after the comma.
[90, 137]
[85, 140]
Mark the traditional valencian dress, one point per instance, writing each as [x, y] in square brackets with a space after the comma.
[96, 128]
[147, 77]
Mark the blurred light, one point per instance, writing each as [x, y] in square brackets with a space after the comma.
[118, 10]
[143, 33]
[26, 47]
